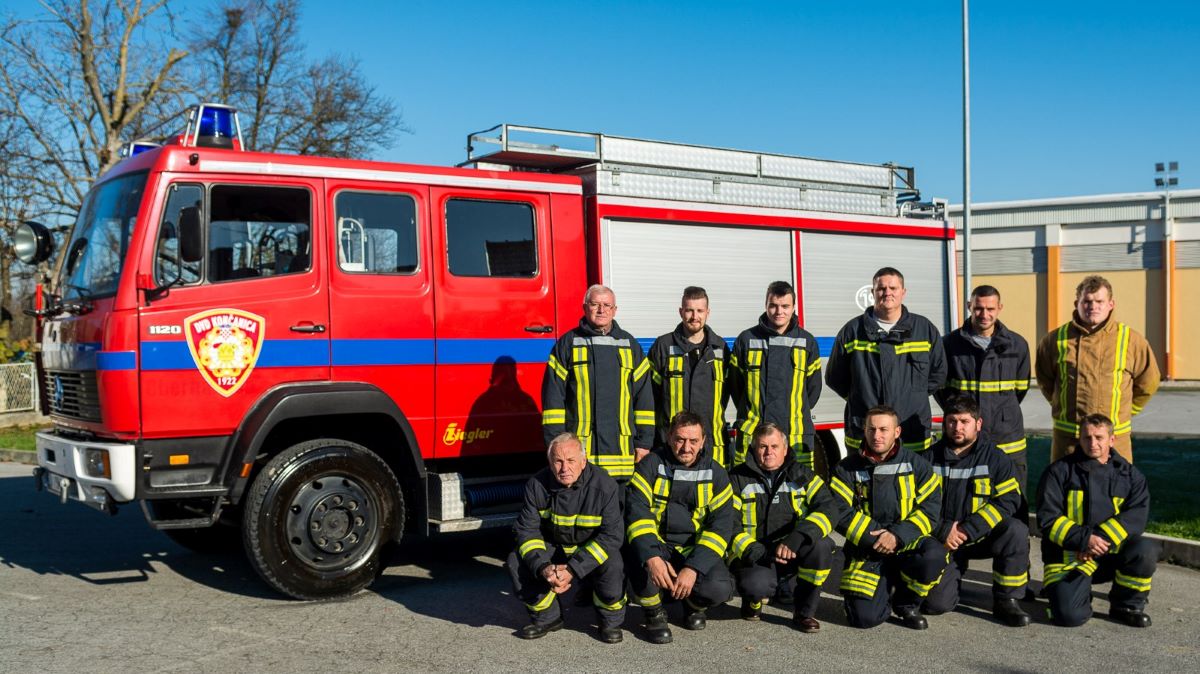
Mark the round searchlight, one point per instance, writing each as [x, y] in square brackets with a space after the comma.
[33, 243]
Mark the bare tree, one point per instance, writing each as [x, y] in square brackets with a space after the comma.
[251, 57]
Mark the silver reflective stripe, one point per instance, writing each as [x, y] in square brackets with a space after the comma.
[789, 342]
[862, 476]
[758, 344]
[600, 340]
[674, 351]
[694, 475]
[893, 469]
[719, 353]
[752, 488]
[791, 487]
[961, 473]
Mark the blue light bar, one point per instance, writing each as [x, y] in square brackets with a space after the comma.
[213, 125]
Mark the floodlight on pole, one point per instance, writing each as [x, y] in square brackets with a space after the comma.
[1165, 178]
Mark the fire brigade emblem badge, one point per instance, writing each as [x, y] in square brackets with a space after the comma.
[225, 344]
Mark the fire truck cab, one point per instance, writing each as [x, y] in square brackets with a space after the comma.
[320, 355]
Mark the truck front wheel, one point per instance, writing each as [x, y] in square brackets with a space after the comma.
[317, 518]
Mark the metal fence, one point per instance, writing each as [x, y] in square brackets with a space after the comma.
[18, 387]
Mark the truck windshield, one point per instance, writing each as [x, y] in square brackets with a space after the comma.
[100, 238]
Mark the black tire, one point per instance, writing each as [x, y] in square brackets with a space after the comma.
[317, 518]
[827, 455]
[222, 537]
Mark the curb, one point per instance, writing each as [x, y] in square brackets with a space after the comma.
[19, 456]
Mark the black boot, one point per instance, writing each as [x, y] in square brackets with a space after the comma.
[910, 617]
[656, 625]
[536, 631]
[1010, 612]
[610, 635]
[751, 609]
[1130, 616]
[694, 618]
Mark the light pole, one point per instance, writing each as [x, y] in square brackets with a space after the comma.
[966, 213]
[1165, 178]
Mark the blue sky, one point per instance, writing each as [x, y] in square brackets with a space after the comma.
[1068, 98]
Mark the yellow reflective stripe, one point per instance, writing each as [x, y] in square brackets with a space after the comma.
[812, 576]
[858, 526]
[862, 345]
[675, 395]
[921, 589]
[1066, 426]
[641, 528]
[796, 397]
[1118, 370]
[593, 548]
[616, 465]
[918, 446]
[857, 580]
[557, 367]
[1012, 447]
[1059, 530]
[1135, 583]
[1064, 410]
[713, 542]
[842, 489]
[740, 543]
[921, 520]
[906, 485]
[1006, 486]
[656, 377]
[625, 399]
[1115, 532]
[638, 482]
[531, 545]
[554, 416]
[990, 514]
[574, 520]
[651, 601]
[721, 498]
[1010, 581]
[641, 370]
[1075, 505]
[1137, 409]
[750, 517]
[543, 603]
[753, 403]
[853, 443]
[615, 606]
[643, 417]
[583, 391]
[1122, 428]
[718, 413]
[913, 347]
[928, 487]
[989, 385]
[1118, 501]
[821, 521]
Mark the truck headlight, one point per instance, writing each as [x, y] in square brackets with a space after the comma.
[96, 463]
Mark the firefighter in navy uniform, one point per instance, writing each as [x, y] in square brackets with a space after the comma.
[597, 386]
[680, 516]
[892, 500]
[570, 528]
[990, 363]
[1092, 508]
[775, 373]
[688, 369]
[980, 499]
[787, 514]
[888, 356]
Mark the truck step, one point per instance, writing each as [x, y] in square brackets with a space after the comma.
[184, 522]
[473, 523]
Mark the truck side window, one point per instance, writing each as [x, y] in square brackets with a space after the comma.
[168, 267]
[490, 238]
[376, 233]
[258, 231]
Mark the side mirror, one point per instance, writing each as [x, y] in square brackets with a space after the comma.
[191, 238]
[33, 243]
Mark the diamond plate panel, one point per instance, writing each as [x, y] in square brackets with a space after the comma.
[667, 155]
[798, 168]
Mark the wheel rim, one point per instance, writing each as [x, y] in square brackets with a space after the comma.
[332, 523]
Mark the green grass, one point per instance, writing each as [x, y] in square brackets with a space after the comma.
[1170, 466]
[19, 437]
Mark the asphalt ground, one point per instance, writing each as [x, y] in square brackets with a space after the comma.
[81, 591]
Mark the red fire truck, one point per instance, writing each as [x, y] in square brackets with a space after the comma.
[322, 354]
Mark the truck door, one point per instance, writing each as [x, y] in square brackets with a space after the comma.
[252, 314]
[494, 319]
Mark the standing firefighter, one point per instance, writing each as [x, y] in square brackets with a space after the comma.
[980, 496]
[888, 356]
[688, 367]
[990, 363]
[1092, 508]
[570, 528]
[1094, 364]
[680, 517]
[776, 368]
[892, 503]
[597, 386]
[787, 514]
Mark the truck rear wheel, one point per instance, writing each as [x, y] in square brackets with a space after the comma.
[317, 518]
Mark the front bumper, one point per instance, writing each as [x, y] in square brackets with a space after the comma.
[63, 471]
